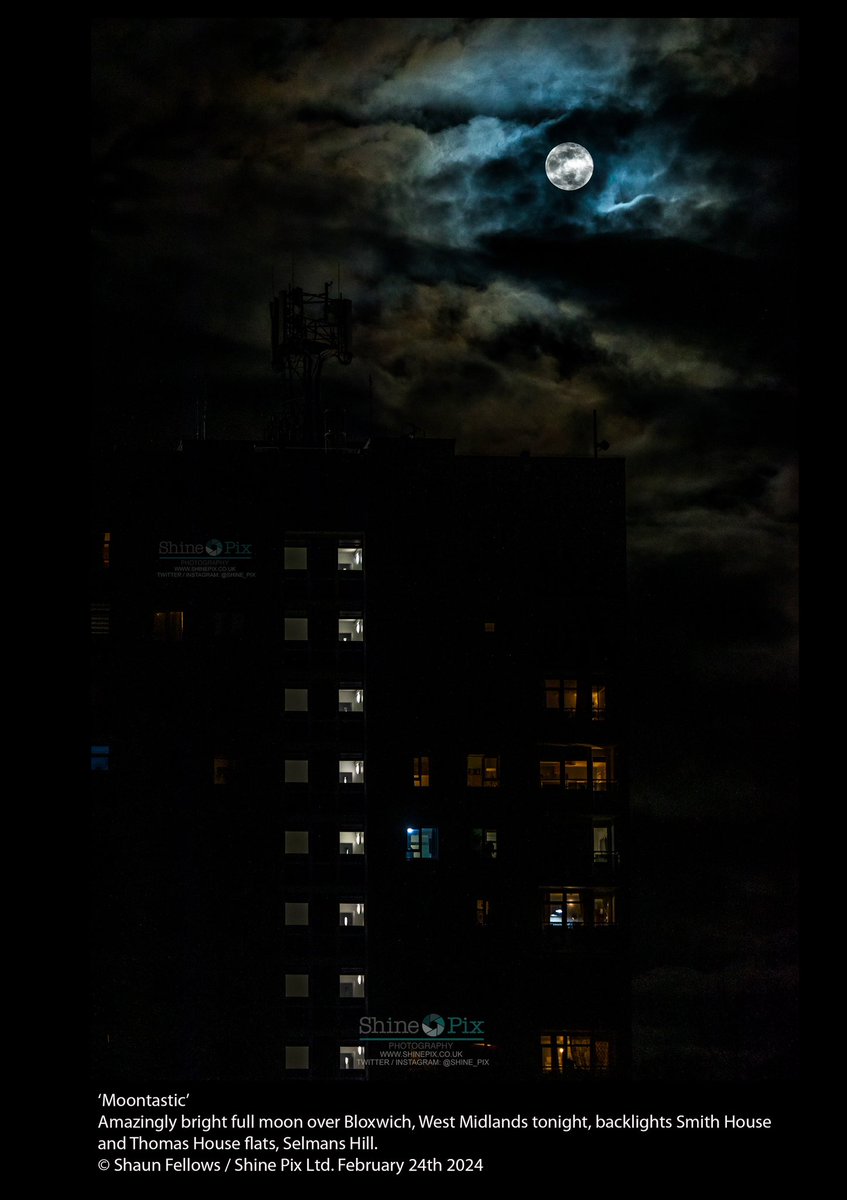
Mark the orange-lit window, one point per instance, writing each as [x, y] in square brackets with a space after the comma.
[561, 694]
[420, 770]
[575, 1053]
[489, 626]
[590, 769]
[483, 770]
[576, 774]
[483, 912]
[598, 702]
[107, 548]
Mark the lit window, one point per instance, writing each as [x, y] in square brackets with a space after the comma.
[554, 909]
[351, 627]
[561, 694]
[604, 909]
[351, 770]
[421, 843]
[598, 702]
[604, 842]
[168, 626]
[297, 913]
[101, 616]
[489, 626]
[296, 629]
[600, 770]
[485, 842]
[351, 699]
[591, 767]
[107, 548]
[569, 1053]
[296, 986]
[483, 912]
[576, 774]
[100, 758]
[351, 841]
[296, 699]
[222, 770]
[351, 913]
[563, 910]
[577, 908]
[351, 987]
[349, 558]
[297, 770]
[351, 1058]
[420, 770]
[483, 770]
[296, 1058]
[295, 558]
[296, 841]
[574, 914]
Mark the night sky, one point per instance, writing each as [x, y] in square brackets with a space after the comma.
[492, 307]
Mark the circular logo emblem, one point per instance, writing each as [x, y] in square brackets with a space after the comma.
[214, 547]
[433, 1025]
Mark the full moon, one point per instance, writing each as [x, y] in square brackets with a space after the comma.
[569, 166]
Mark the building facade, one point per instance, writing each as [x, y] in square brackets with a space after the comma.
[359, 762]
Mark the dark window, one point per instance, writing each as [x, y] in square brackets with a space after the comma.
[168, 626]
[101, 615]
[485, 842]
[100, 758]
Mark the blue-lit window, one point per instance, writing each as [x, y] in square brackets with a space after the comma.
[421, 843]
[100, 758]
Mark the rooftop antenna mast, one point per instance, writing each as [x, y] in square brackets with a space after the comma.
[307, 329]
[604, 445]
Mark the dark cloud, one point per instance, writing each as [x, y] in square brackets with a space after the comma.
[407, 153]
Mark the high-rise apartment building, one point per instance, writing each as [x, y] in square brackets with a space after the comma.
[359, 760]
